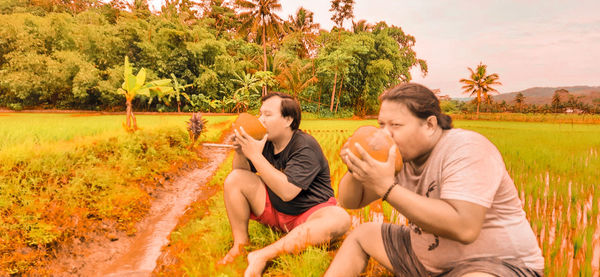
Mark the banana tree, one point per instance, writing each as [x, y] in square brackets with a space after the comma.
[247, 93]
[178, 91]
[136, 85]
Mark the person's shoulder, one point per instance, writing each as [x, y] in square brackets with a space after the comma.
[462, 140]
[303, 139]
[457, 136]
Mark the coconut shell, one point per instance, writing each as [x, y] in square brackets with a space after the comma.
[376, 142]
[251, 125]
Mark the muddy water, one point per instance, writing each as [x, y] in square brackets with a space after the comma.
[140, 258]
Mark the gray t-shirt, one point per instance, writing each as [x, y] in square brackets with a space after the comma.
[464, 165]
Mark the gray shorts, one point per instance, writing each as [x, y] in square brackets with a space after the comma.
[396, 240]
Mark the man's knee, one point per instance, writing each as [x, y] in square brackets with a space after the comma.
[235, 179]
[342, 220]
[335, 217]
[478, 274]
[364, 233]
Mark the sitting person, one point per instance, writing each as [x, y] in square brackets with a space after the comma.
[281, 181]
[465, 215]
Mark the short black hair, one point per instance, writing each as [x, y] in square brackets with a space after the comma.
[289, 107]
[419, 100]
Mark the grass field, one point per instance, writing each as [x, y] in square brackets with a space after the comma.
[63, 177]
[57, 163]
[39, 128]
[555, 168]
[537, 117]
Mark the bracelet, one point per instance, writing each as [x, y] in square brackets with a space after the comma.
[387, 193]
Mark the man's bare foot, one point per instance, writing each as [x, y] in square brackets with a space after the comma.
[256, 264]
[236, 250]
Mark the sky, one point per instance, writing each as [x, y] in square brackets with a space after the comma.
[528, 43]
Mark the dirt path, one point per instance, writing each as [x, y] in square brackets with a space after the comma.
[121, 255]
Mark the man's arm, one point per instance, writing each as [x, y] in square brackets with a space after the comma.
[276, 180]
[239, 160]
[453, 219]
[353, 194]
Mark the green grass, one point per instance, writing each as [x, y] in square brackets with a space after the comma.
[537, 117]
[206, 238]
[65, 186]
[554, 166]
[32, 129]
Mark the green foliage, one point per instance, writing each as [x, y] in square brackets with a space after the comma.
[15, 106]
[71, 56]
[449, 106]
[135, 85]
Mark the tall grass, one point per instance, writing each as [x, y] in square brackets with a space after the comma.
[555, 168]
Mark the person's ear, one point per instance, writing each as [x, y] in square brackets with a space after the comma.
[431, 123]
[288, 121]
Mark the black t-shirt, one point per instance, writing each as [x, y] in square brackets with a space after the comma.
[305, 166]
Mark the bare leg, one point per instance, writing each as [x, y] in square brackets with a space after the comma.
[478, 274]
[321, 226]
[364, 242]
[244, 192]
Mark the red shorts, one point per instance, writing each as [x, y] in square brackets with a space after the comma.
[286, 222]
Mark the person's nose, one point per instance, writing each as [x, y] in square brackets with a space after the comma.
[261, 119]
[386, 129]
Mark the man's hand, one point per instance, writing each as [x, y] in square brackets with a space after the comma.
[248, 146]
[345, 147]
[376, 175]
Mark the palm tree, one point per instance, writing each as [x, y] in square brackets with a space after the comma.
[303, 24]
[556, 101]
[296, 76]
[520, 99]
[259, 19]
[480, 83]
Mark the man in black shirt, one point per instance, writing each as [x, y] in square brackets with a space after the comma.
[281, 181]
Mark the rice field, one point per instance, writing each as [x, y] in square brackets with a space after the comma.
[30, 129]
[555, 168]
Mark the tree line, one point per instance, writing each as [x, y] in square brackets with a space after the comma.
[562, 102]
[220, 56]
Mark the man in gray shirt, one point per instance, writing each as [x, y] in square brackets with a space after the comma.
[464, 212]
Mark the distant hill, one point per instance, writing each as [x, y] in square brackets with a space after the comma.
[543, 95]
[462, 99]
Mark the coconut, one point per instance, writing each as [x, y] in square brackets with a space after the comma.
[376, 142]
[251, 125]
